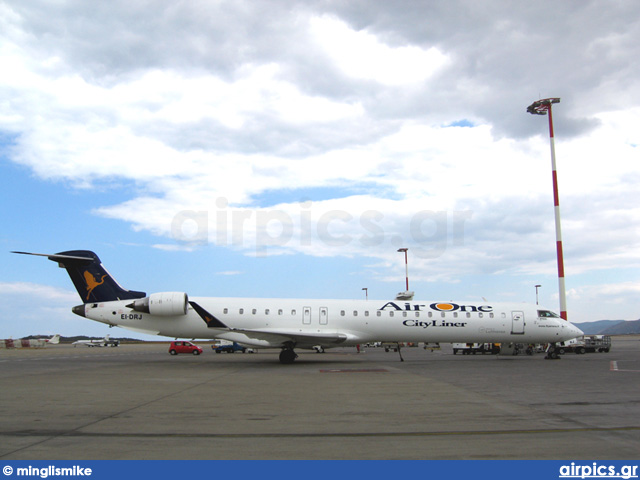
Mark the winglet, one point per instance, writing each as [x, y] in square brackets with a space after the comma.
[209, 319]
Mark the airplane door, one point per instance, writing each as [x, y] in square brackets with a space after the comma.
[306, 315]
[517, 323]
[324, 316]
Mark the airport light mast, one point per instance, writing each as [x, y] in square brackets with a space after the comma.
[406, 265]
[406, 295]
[541, 107]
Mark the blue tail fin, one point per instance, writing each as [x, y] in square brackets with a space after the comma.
[93, 283]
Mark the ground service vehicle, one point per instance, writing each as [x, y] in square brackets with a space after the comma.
[231, 348]
[473, 348]
[586, 344]
[184, 347]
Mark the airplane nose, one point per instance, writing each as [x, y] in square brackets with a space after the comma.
[575, 331]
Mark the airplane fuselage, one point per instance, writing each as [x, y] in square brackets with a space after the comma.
[299, 323]
[343, 322]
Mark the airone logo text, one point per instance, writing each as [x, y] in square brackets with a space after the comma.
[438, 307]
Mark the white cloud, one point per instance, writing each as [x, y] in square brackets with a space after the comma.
[362, 55]
[239, 105]
[34, 290]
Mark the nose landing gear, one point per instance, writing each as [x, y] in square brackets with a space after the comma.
[552, 352]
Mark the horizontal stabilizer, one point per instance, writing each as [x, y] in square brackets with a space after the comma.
[56, 257]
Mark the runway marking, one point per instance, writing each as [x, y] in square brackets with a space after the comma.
[355, 370]
[76, 433]
[75, 356]
[613, 366]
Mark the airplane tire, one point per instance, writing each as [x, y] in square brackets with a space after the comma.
[552, 356]
[287, 356]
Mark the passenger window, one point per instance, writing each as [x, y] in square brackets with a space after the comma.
[225, 311]
[468, 315]
[491, 315]
[455, 314]
[280, 312]
[355, 313]
[391, 314]
[366, 313]
[254, 311]
[266, 312]
[379, 313]
[241, 311]
[404, 314]
[293, 312]
[442, 314]
[417, 314]
[480, 315]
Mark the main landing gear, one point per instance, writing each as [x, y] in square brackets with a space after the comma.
[287, 355]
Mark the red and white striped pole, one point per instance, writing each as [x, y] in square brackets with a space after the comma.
[541, 107]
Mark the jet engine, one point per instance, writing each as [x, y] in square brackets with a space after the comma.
[164, 304]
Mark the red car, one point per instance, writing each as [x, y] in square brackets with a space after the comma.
[184, 347]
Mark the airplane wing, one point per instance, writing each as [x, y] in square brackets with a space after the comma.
[275, 337]
[281, 338]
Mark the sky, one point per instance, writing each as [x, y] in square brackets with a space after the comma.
[289, 149]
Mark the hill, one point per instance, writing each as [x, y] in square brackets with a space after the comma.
[610, 327]
[623, 328]
[596, 328]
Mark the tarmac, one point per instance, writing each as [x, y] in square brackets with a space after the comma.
[139, 402]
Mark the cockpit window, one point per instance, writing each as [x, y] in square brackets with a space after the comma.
[547, 314]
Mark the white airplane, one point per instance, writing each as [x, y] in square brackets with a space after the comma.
[29, 342]
[104, 342]
[297, 323]
[55, 340]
